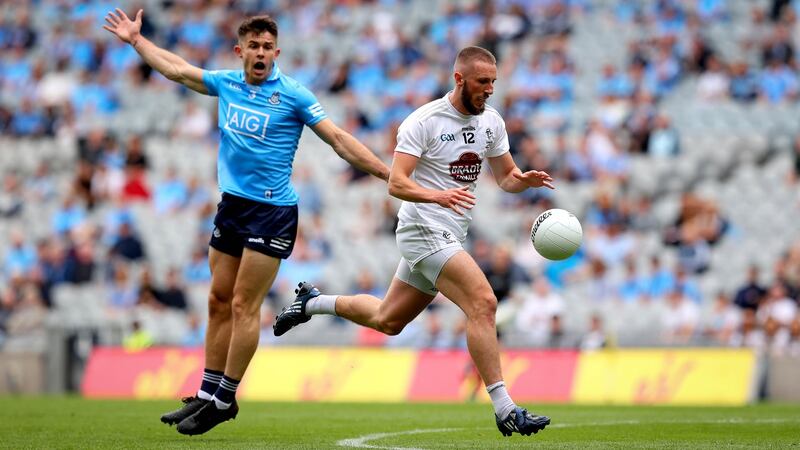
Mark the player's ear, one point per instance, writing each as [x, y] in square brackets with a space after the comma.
[277, 52]
[459, 77]
[237, 50]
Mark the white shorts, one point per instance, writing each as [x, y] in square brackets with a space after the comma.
[425, 251]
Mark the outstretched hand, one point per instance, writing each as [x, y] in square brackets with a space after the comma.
[535, 178]
[121, 25]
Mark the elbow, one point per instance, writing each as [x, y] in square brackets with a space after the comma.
[394, 189]
[173, 75]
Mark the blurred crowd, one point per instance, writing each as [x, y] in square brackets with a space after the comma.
[63, 78]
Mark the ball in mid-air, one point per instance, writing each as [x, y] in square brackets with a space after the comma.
[556, 234]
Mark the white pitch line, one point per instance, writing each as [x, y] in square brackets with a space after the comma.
[361, 441]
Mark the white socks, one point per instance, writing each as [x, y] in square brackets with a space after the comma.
[201, 394]
[220, 404]
[321, 304]
[501, 401]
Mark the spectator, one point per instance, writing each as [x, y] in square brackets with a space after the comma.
[69, 216]
[173, 295]
[171, 194]
[122, 294]
[664, 140]
[307, 190]
[20, 257]
[557, 338]
[535, 317]
[633, 287]
[138, 339]
[680, 319]
[82, 184]
[661, 280]
[28, 121]
[197, 270]
[778, 307]
[749, 334]
[743, 85]
[79, 264]
[195, 121]
[750, 295]
[25, 327]
[11, 197]
[721, 320]
[135, 156]
[777, 83]
[128, 246]
[503, 273]
[713, 84]
[596, 337]
[41, 185]
[196, 333]
[136, 187]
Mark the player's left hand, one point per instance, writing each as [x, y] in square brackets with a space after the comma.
[535, 178]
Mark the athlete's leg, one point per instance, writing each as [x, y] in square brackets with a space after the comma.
[463, 282]
[218, 335]
[220, 297]
[408, 295]
[256, 274]
[401, 305]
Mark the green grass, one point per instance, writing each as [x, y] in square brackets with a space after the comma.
[69, 422]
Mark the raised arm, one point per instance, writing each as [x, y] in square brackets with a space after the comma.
[168, 64]
[403, 187]
[511, 179]
[350, 149]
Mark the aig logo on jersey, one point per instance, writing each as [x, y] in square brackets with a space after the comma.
[466, 168]
[246, 121]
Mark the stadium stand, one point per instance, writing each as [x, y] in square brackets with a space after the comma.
[671, 128]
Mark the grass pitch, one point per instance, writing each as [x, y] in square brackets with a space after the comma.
[71, 422]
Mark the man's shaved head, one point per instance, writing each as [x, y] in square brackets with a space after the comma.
[468, 55]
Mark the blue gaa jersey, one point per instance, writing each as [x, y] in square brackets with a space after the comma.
[260, 126]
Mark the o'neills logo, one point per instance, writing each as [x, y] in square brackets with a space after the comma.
[539, 222]
[466, 168]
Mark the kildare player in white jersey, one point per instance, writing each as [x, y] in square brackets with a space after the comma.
[440, 150]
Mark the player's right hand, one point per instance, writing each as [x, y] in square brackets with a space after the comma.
[121, 25]
[456, 199]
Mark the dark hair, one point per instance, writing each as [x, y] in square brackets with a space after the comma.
[468, 54]
[258, 25]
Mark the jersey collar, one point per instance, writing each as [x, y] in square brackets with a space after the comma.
[276, 72]
[453, 108]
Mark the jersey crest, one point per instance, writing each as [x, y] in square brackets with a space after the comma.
[466, 168]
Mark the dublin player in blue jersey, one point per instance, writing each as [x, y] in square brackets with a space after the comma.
[262, 113]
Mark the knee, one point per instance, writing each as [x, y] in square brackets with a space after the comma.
[242, 307]
[484, 308]
[219, 306]
[390, 327]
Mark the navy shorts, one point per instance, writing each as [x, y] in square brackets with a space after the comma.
[265, 228]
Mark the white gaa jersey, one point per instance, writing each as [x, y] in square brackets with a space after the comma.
[451, 148]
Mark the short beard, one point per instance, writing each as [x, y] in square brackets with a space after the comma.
[466, 100]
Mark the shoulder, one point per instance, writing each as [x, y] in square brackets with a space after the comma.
[292, 86]
[223, 79]
[222, 73]
[493, 116]
[426, 113]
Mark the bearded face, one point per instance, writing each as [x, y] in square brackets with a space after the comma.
[478, 86]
